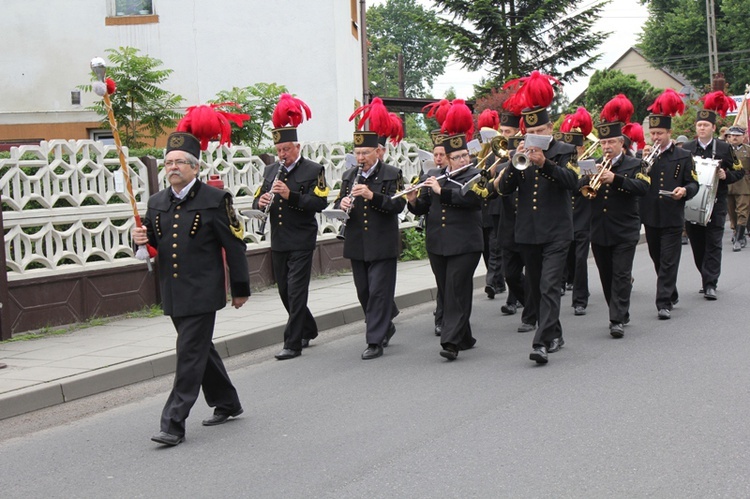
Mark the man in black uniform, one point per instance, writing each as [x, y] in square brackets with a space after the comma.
[441, 161]
[296, 189]
[189, 224]
[511, 255]
[706, 241]
[615, 222]
[577, 267]
[544, 225]
[663, 215]
[454, 240]
[372, 237]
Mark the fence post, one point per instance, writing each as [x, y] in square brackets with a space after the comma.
[152, 176]
[5, 332]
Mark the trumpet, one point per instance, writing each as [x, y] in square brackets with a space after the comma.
[264, 217]
[418, 186]
[342, 229]
[499, 146]
[651, 158]
[590, 150]
[589, 191]
[520, 161]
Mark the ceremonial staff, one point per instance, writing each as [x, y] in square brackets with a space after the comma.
[104, 89]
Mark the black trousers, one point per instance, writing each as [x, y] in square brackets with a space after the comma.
[517, 284]
[376, 284]
[706, 244]
[578, 268]
[545, 265]
[665, 249]
[291, 270]
[615, 264]
[454, 276]
[198, 366]
[439, 308]
[492, 258]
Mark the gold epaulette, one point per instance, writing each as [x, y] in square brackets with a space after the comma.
[482, 192]
[737, 166]
[642, 176]
[257, 191]
[574, 168]
[321, 189]
[238, 230]
[694, 174]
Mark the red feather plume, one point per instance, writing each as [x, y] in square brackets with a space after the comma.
[377, 114]
[580, 120]
[634, 131]
[438, 110]
[619, 108]
[397, 129]
[720, 102]
[536, 89]
[209, 122]
[459, 120]
[111, 86]
[290, 111]
[669, 103]
[515, 104]
[488, 119]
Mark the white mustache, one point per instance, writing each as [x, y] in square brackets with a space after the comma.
[179, 174]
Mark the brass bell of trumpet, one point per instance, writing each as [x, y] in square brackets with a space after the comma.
[590, 190]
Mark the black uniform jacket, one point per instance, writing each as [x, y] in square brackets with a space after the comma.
[507, 226]
[189, 235]
[372, 229]
[293, 223]
[673, 168]
[614, 210]
[581, 212]
[544, 211]
[454, 220]
[729, 163]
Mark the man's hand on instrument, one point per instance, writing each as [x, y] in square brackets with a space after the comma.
[280, 188]
[140, 237]
[346, 202]
[362, 190]
[536, 156]
[722, 174]
[607, 177]
[264, 200]
[411, 197]
[432, 183]
[679, 193]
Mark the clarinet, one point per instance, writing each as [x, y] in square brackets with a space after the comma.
[342, 229]
[267, 211]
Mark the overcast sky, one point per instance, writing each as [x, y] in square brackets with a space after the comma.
[623, 18]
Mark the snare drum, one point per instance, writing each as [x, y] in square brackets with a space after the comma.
[698, 209]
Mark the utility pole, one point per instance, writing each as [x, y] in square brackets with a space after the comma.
[713, 55]
[363, 45]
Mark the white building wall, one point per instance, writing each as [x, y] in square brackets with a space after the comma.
[211, 46]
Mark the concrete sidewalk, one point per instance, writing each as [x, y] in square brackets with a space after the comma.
[57, 369]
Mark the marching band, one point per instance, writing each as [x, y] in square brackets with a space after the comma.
[532, 201]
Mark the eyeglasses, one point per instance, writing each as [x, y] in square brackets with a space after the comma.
[178, 162]
[459, 157]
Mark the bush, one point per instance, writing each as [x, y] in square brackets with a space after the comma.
[413, 244]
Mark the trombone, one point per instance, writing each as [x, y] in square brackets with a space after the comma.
[590, 190]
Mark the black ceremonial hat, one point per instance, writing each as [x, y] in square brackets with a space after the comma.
[183, 141]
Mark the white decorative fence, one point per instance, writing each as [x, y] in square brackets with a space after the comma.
[62, 212]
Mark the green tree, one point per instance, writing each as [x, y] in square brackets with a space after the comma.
[258, 101]
[141, 107]
[512, 38]
[675, 37]
[605, 84]
[404, 26]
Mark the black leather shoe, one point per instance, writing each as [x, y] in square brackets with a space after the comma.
[664, 314]
[684, 240]
[501, 289]
[449, 353]
[287, 354]
[218, 419]
[509, 309]
[539, 355]
[525, 328]
[710, 293]
[389, 334]
[168, 439]
[562, 290]
[569, 286]
[305, 343]
[372, 352]
[579, 310]
[490, 292]
[616, 330]
[555, 345]
[438, 330]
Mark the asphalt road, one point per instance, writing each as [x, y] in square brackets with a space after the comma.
[661, 413]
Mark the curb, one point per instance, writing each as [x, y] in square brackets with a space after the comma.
[24, 400]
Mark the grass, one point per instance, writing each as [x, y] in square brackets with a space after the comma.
[52, 331]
